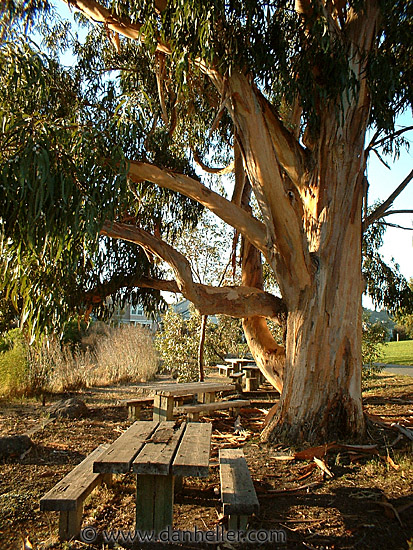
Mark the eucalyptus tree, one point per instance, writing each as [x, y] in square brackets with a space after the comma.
[285, 92]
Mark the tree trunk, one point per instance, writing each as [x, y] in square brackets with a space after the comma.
[321, 399]
[204, 319]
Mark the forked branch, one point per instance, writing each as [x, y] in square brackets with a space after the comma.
[234, 301]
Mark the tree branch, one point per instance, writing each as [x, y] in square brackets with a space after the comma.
[391, 212]
[262, 138]
[232, 214]
[219, 171]
[102, 291]
[121, 25]
[233, 301]
[380, 211]
[380, 142]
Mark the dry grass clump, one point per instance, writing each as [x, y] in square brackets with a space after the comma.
[126, 354]
[106, 355]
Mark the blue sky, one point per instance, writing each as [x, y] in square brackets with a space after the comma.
[397, 242]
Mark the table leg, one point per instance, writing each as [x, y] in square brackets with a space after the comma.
[154, 502]
[163, 408]
[208, 397]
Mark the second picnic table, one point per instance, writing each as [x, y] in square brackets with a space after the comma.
[166, 394]
[158, 452]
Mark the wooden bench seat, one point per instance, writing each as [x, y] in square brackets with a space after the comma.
[238, 496]
[68, 495]
[193, 411]
[135, 405]
[226, 370]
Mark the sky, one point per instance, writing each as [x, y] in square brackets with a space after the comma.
[398, 243]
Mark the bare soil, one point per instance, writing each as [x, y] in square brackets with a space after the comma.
[366, 504]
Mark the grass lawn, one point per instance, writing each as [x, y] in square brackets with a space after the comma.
[398, 353]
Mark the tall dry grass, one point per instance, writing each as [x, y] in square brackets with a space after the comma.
[126, 354]
[106, 356]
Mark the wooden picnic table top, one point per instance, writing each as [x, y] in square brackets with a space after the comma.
[190, 388]
[239, 361]
[159, 448]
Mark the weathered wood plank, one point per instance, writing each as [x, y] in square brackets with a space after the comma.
[157, 455]
[218, 405]
[138, 400]
[70, 492]
[154, 502]
[237, 489]
[117, 459]
[190, 388]
[192, 457]
[163, 407]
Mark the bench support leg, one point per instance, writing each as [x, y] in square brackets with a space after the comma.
[237, 523]
[193, 417]
[154, 502]
[134, 412]
[70, 522]
[163, 408]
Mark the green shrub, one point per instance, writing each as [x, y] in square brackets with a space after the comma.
[14, 364]
[178, 342]
[373, 338]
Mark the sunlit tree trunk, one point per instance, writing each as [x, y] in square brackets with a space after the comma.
[201, 347]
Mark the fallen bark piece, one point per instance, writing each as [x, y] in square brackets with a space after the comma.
[294, 489]
[283, 457]
[12, 446]
[323, 467]
[319, 452]
[389, 509]
[390, 461]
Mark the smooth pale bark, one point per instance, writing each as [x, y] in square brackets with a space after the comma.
[202, 336]
[269, 356]
[323, 352]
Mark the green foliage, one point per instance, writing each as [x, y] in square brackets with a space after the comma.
[14, 364]
[62, 170]
[384, 283]
[374, 336]
[66, 133]
[178, 342]
[177, 345]
[404, 326]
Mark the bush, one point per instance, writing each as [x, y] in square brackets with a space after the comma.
[14, 364]
[178, 342]
[374, 335]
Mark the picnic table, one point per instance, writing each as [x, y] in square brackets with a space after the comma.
[166, 394]
[238, 363]
[253, 377]
[158, 452]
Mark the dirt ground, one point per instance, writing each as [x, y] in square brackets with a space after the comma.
[366, 502]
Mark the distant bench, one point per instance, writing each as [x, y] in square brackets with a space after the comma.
[238, 496]
[135, 405]
[68, 495]
[193, 411]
